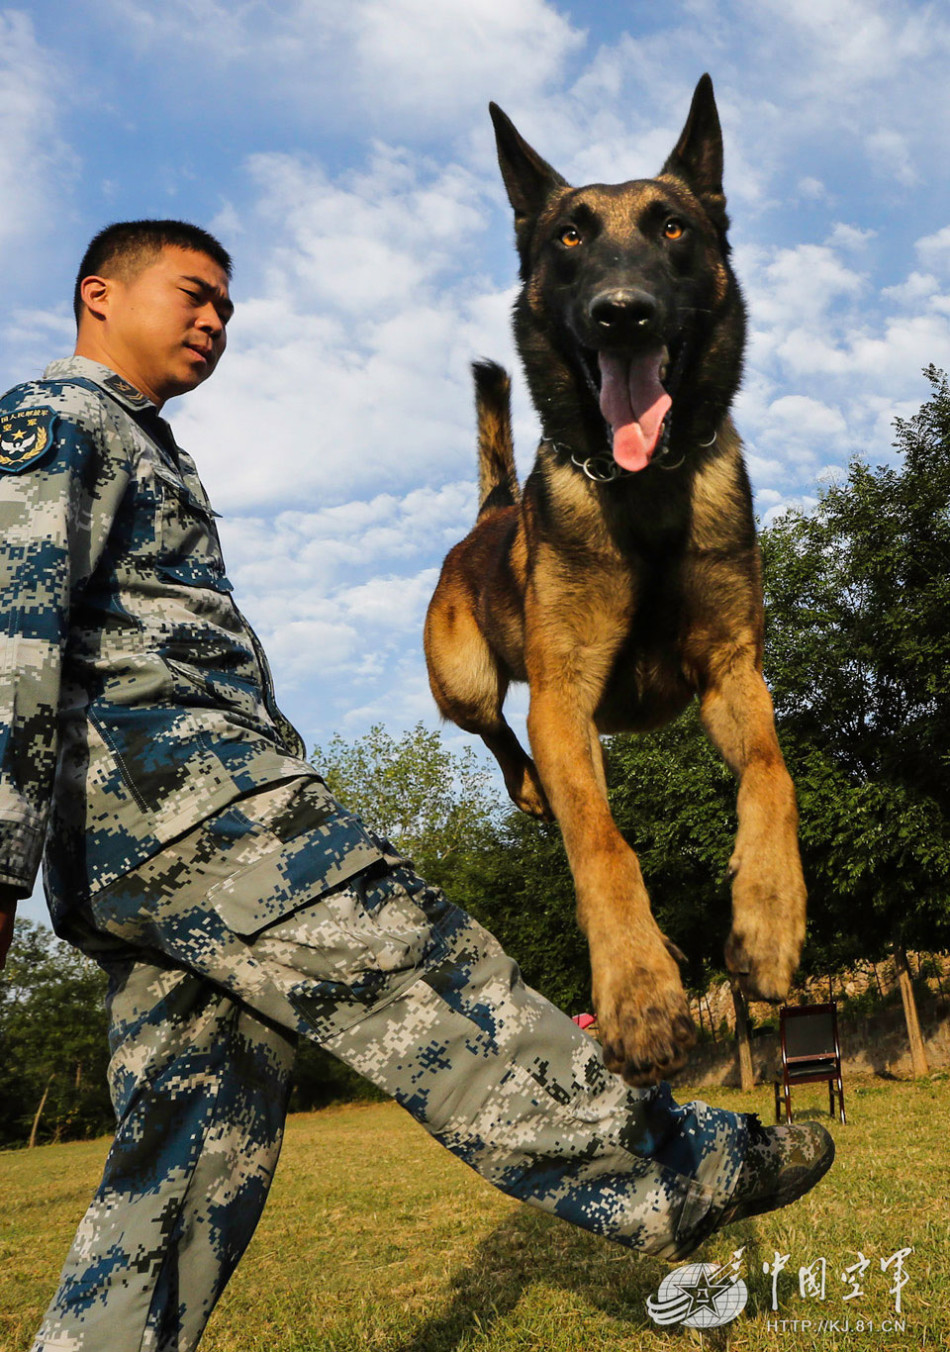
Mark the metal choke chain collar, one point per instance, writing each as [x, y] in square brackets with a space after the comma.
[603, 469]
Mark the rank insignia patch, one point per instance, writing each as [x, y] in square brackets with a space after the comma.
[126, 392]
[25, 437]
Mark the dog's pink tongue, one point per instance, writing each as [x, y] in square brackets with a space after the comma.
[634, 403]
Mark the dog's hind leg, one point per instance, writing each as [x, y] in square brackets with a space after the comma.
[521, 776]
[469, 688]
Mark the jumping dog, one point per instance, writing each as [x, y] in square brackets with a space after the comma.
[624, 580]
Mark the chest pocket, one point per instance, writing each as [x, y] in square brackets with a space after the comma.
[189, 550]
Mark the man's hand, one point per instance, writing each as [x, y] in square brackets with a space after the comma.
[9, 897]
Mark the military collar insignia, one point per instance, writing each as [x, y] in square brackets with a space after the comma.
[125, 392]
[95, 372]
[25, 437]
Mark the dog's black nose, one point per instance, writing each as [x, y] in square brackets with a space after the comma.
[623, 311]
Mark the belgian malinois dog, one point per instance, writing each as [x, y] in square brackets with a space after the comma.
[625, 579]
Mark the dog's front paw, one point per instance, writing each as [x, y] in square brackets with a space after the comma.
[768, 930]
[643, 1017]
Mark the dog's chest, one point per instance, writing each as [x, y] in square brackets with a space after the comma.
[647, 684]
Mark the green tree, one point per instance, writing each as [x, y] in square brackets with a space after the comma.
[517, 883]
[858, 659]
[53, 1043]
[433, 804]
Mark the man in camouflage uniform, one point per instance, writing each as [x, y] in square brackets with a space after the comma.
[192, 850]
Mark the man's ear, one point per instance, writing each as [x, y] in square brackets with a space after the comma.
[96, 293]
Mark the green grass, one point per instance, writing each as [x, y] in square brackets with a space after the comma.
[375, 1239]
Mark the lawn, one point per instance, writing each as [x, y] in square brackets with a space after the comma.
[376, 1240]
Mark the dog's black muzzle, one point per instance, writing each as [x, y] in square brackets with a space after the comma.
[623, 315]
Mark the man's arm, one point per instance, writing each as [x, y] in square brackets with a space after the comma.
[58, 496]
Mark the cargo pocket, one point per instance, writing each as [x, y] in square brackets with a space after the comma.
[360, 947]
[306, 845]
[338, 930]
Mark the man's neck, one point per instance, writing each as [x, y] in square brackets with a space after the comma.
[94, 351]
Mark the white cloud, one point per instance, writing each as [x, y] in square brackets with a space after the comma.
[890, 152]
[371, 241]
[762, 469]
[905, 346]
[310, 551]
[849, 237]
[800, 286]
[934, 250]
[338, 597]
[813, 189]
[830, 48]
[805, 420]
[406, 64]
[34, 161]
[460, 52]
[222, 34]
[804, 503]
[35, 335]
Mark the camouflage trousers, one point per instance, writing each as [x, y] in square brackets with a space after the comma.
[244, 934]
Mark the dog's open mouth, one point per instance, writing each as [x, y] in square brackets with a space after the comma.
[634, 403]
[634, 390]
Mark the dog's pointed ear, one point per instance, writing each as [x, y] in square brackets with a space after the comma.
[529, 180]
[697, 158]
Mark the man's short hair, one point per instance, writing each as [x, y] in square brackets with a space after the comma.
[124, 248]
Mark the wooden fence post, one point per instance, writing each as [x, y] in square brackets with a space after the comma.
[39, 1112]
[743, 1041]
[918, 1055]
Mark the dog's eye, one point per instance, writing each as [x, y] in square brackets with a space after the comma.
[673, 229]
[570, 236]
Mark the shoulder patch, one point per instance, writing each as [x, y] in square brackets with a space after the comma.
[126, 392]
[25, 437]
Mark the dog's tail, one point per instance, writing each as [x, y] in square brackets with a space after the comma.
[497, 479]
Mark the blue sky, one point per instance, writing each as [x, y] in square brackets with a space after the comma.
[342, 151]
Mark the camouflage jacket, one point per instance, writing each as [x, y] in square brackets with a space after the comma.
[135, 699]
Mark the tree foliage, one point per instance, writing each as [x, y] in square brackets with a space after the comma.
[674, 800]
[432, 803]
[518, 885]
[52, 1041]
[858, 659]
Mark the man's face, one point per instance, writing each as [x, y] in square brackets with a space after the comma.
[164, 327]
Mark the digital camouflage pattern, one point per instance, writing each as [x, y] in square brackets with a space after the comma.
[194, 853]
[252, 940]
